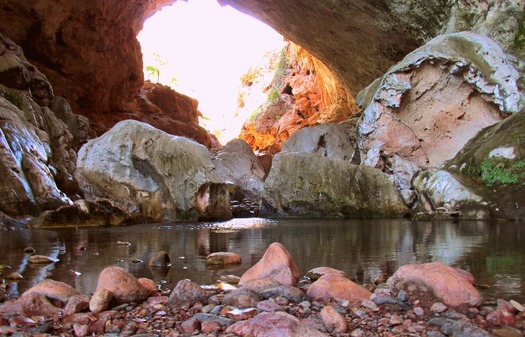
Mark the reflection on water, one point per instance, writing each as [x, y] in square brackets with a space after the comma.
[493, 252]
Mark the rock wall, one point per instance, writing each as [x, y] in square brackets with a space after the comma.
[293, 90]
[38, 146]
[358, 40]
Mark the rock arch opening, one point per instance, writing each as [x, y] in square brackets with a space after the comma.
[202, 49]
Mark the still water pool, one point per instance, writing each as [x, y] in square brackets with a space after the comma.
[494, 252]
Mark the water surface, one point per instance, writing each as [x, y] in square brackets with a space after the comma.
[492, 251]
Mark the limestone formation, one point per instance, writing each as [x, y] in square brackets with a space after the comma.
[493, 166]
[444, 194]
[357, 40]
[83, 213]
[427, 107]
[38, 151]
[308, 185]
[236, 164]
[147, 171]
[333, 141]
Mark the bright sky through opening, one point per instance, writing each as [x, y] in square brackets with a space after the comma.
[206, 48]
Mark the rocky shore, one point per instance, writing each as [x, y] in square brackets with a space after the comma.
[270, 299]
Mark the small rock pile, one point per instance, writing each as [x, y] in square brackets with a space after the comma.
[429, 300]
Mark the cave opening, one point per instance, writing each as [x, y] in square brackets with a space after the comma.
[202, 49]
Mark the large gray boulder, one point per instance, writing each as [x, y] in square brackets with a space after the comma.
[333, 141]
[160, 176]
[427, 107]
[235, 162]
[309, 185]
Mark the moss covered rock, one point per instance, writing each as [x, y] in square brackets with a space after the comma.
[303, 184]
[485, 180]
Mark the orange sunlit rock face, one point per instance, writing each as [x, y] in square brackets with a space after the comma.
[302, 93]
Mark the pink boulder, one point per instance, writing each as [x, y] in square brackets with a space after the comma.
[53, 289]
[223, 258]
[273, 325]
[277, 264]
[33, 304]
[446, 284]
[124, 286]
[335, 287]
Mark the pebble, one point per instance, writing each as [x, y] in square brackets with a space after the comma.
[517, 306]
[381, 316]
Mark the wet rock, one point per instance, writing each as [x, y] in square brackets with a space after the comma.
[445, 194]
[242, 298]
[501, 317]
[186, 294]
[269, 306]
[260, 284]
[273, 325]
[189, 326]
[276, 263]
[445, 284]
[491, 165]
[37, 154]
[209, 327]
[161, 259]
[291, 293]
[41, 259]
[235, 162]
[33, 304]
[333, 320]
[149, 284]
[53, 289]
[316, 273]
[241, 314]
[75, 304]
[144, 170]
[14, 276]
[83, 213]
[100, 300]
[223, 258]
[506, 332]
[303, 184]
[124, 286]
[334, 287]
[518, 306]
[223, 321]
[438, 307]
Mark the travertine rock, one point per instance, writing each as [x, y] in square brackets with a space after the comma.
[147, 171]
[445, 283]
[427, 107]
[304, 184]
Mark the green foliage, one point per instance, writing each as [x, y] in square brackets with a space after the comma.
[519, 41]
[500, 171]
[273, 97]
[156, 69]
[153, 71]
[249, 78]
[281, 68]
[15, 97]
